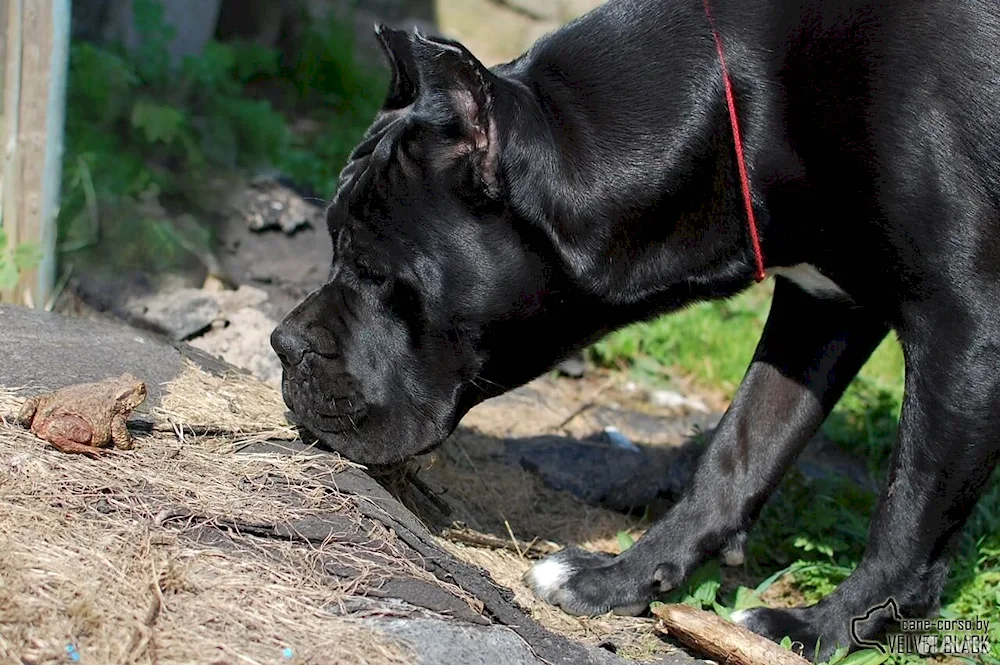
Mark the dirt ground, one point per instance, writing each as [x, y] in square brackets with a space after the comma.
[486, 490]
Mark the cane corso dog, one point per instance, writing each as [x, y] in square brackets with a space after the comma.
[494, 220]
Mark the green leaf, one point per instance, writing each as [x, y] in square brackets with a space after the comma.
[786, 643]
[706, 592]
[3, 239]
[625, 541]
[746, 599]
[798, 566]
[837, 656]
[27, 255]
[691, 601]
[723, 611]
[866, 657]
[160, 123]
[9, 276]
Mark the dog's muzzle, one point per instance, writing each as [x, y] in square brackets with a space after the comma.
[315, 386]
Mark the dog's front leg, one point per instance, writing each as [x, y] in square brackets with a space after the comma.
[947, 448]
[810, 350]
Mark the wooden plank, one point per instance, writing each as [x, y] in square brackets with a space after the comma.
[36, 59]
[9, 163]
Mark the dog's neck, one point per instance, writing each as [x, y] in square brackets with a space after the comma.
[590, 142]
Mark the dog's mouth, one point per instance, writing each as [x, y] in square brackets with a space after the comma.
[329, 406]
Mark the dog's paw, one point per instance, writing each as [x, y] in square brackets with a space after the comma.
[798, 625]
[584, 583]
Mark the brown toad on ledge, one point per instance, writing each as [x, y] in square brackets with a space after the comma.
[87, 417]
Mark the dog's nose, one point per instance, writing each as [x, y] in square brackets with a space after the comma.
[290, 344]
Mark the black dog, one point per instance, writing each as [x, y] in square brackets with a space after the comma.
[493, 221]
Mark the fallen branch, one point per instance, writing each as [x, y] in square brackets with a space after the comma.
[721, 640]
[535, 549]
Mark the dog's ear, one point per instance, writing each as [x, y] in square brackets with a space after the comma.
[398, 48]
[442, 71]
[450, 73]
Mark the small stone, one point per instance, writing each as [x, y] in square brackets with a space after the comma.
[575, 367]
[181, 314]
[213, 284]
[674, 400]
[619, 440]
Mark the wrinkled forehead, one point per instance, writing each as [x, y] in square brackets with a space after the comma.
[387, 188]
[368, 162]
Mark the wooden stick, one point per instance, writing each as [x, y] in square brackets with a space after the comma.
[721, 640]
[533, 550]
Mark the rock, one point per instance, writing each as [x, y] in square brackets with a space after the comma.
[181, 314]
[574, 367]
[47, 351]
[617, 439]
[437, 642]
[823, 458]
[442, 642]
[269, 205]
[604, 474]
[244, 341]
[225, 324]
[652, 428]
[602, 470]
[674, 400]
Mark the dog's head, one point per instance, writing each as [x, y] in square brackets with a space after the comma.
[439, 296]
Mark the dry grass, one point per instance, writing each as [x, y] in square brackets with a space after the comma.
[92, 555]
[236, 403]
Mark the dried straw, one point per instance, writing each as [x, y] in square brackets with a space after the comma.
[90, 559]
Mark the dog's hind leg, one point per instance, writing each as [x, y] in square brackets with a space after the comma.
[810, 350]
[948, 445]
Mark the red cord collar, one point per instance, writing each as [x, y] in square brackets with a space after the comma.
[738, 140]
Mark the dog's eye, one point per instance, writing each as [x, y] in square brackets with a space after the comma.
[367, 272]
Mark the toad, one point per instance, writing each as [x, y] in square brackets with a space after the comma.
[85, 418]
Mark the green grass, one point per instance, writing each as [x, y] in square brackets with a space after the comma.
[816, 527]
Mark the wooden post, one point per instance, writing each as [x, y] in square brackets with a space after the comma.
[34, 46]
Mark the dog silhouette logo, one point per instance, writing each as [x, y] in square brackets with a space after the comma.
[856, 622]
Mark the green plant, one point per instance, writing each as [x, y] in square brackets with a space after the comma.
[139, 123]
[16, 260]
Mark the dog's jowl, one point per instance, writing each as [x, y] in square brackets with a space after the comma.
[493, 221]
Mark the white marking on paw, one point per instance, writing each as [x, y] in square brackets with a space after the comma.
[810, 280]
[739, 616]
[548, 575]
